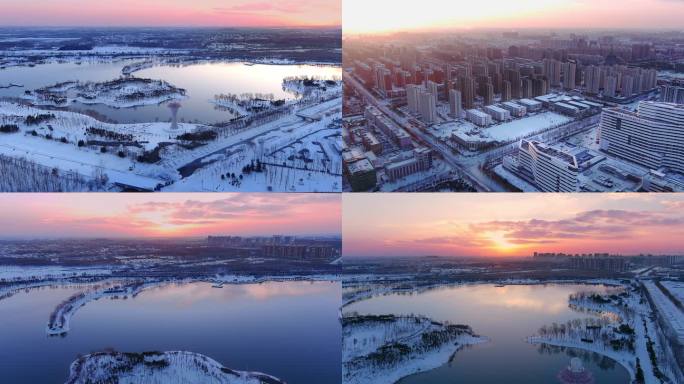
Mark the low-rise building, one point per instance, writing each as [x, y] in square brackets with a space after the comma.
[478, 117]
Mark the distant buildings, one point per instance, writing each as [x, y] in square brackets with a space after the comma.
[280, 247]
[600, 262]
[569, 73]
[591, 261]
[592, 79]
[672, 94]
[652, 137]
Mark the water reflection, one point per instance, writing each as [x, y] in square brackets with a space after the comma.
[202, 82]
[291, 331]
[506, 315]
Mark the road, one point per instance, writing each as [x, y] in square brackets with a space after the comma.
[470, 167]
[477, 179]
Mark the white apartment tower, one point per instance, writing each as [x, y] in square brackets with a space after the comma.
[551, 169]
[652, 137]
[427, 107]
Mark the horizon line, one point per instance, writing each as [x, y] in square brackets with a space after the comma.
[510, 29]
[315, 26]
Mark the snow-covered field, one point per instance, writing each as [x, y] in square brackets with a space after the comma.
[309, 150]
[158, 368]
[505, 131]
[11, 273]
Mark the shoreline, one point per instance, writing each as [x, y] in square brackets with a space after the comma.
[622, 360]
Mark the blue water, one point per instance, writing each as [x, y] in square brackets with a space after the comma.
[290, 330]
[506, 315]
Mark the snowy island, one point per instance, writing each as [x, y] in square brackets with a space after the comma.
[382, 349]
[125, 92]
[157, 368]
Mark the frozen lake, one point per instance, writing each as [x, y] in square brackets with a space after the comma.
[202, 82]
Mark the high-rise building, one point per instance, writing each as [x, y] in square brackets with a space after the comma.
[412, 92]
[552, 71]
[540, 86]
[428, 107]
[526, 88]
[488, 94]
[569, 71]
[592, 79]
[551, 169]
[433, 88]
[627, 89]
[468, 91]
[611, 86]
[383, 80]
[455, 103]
[513, 76]
[652, 137]
[672, 94]
[506, 90]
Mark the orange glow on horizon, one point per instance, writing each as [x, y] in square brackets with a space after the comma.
[167, 215]
[511, 225]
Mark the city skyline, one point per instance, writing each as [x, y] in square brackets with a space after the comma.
[362, 17]
[510, 225]
[173, 215]
[172, 13]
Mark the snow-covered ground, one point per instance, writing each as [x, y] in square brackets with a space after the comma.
[298, 156]
[10, 273]
[158, 368]
[502, 131]
[516, 181]
[615, 310]
[119, 93]
[301, 149]
[60, 318]
[384, 349]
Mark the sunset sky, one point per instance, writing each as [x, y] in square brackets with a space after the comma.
[362, 16]
[511, 224]
[167, 215]
[228, 13]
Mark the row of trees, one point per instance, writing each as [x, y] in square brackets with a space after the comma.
[22, 175]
